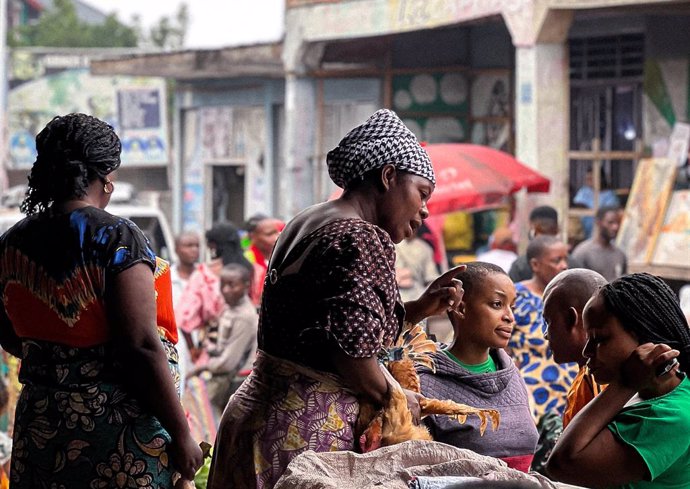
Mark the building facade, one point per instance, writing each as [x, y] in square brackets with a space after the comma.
[571, 87]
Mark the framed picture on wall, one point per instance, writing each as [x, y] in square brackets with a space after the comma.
[645, 208]
[491, 110]
[673, 242]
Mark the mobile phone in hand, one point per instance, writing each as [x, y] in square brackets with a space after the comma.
[666, 367]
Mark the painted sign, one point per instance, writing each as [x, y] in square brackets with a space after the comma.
[44, 85]
[645, 208]
[673, 242]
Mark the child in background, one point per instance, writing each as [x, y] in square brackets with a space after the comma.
[233, 347]
[475, 370]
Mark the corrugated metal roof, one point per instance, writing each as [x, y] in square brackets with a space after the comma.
[263, 60]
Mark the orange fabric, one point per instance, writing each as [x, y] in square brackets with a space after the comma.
[68, 311]
[31, 317]
[165, 315]
[583, 389]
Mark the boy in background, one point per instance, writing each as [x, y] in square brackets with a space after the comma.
[233, 347]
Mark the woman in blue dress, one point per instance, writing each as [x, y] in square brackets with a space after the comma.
[99, 407]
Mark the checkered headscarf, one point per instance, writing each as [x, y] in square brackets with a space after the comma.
[382, 139]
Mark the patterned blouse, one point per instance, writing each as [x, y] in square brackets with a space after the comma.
[547, 381]
[345, 294]
[54, 269]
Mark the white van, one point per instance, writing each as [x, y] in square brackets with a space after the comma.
[150, 220]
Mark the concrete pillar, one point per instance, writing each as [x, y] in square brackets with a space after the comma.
[269, 152]
[542, 117]
[542, 94]
[296, 178]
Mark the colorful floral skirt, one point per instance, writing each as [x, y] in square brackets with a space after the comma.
[77, 427]
[281, 410]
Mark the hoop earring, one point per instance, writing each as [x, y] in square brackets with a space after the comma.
[105, 186]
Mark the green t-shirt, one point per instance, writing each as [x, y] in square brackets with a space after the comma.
[481, 368]
[659, 429]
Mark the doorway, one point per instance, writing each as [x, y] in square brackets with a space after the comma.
[225, 202]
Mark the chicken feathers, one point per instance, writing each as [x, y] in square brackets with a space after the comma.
[393, 423]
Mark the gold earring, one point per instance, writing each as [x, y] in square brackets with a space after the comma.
[105, 186]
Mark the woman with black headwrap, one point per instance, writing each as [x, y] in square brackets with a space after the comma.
[635, 433]
[330, 305]
[78, 306]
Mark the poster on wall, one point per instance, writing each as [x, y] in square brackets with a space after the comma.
[216, 134]
[193, 171]
[645, 208]
[673, 242]
[46, 84]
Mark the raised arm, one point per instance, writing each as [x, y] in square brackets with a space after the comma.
[443, 294]
[131, 309]
[588, 453]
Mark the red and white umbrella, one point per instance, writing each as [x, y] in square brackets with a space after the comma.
[470, 176]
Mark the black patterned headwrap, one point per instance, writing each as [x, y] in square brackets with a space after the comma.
[381, 140]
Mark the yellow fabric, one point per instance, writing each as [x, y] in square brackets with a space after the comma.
[458, 231]
[583, 389]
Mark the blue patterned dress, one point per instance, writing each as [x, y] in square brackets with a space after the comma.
[547, 381]
[77, 425]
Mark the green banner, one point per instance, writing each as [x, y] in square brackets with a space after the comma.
[655, 88]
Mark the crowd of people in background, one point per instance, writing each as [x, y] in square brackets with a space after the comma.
[280, 326]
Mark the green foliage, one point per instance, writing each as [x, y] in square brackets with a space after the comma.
[60, 27]
[167, 33]
[201, 476]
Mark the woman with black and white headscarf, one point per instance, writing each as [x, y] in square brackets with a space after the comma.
[330, 304]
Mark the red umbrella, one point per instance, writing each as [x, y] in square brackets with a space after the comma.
[469, 176]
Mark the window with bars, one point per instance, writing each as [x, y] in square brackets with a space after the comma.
[607, 57]
[606, 76]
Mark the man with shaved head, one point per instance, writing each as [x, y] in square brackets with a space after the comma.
[564, 299]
